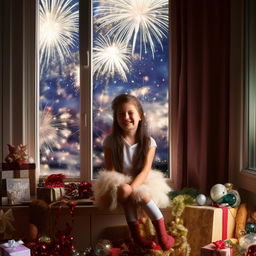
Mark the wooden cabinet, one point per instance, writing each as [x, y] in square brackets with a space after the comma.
[90, 223]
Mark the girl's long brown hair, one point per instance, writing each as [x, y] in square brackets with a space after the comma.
[142, 137]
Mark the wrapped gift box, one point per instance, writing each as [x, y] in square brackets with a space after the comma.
[210, 250]
[16, 170]
[17, 191]
[204, 224]
[18, 250]
[50, 194]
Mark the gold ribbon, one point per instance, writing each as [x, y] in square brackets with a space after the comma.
[6, 219]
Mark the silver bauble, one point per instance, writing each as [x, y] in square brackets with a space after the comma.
[217, 192]
[201, 199]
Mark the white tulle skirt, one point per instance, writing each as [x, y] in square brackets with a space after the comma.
[107, 183]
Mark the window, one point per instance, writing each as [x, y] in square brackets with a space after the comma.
[242, 113]
[59, 82]
[128, 50]
[250, 75]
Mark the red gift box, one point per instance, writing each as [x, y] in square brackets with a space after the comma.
[212, 250]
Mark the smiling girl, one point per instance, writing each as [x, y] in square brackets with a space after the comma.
[128, 179]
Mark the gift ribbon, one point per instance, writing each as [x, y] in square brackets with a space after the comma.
[219, 245]
[12, 243]
[6, 219]
[224, 221]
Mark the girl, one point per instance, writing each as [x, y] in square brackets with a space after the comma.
[129, 181]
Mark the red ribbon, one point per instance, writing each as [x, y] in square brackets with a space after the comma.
[220, 244]
[224, 221]
[55, 181]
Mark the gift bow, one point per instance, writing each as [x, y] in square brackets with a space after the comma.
[12, 243]
[6, 219]
[220, 244]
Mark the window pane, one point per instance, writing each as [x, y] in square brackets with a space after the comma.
[251, 79]
[130, 55]
[59, 87]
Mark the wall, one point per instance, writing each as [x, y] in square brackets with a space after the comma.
[17, 79]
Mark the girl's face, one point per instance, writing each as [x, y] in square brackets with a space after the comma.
[128, 117]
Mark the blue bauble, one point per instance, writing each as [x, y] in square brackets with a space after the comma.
[250, 227]
[230, 199]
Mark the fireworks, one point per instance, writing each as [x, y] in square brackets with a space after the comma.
[123, 31]
[58, 29]
[53, 131]
[145, 21]
[110, 58]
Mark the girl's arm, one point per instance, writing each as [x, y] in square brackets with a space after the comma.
[141, 177]
[108, 159]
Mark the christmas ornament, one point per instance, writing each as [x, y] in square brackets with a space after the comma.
[201, 199]
[228, 200]
[237, 196]
[103, 247]
[75, 253]
[251, 250]
[217, 192]
[232, 199]
[250, 227]
[229, 186]
[246, 240]
[44, 239]
[85, 189]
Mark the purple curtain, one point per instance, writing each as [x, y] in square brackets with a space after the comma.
[200, 40]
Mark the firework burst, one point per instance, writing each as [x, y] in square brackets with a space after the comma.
[110, 58]
[58, 29]
[145, 21]
[53, 130]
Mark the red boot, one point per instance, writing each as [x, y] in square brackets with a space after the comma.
[135, 230]
[166, 241]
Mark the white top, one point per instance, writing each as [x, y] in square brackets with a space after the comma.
[128, 152]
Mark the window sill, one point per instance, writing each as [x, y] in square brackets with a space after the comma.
[90, 209]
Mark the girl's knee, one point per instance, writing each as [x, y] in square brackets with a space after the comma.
[124, 191]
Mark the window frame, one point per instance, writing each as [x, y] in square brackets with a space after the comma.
[27, 107]
[239, 173]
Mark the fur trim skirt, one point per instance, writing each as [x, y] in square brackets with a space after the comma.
[106, 185]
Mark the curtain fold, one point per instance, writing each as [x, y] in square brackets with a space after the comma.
[200, 43]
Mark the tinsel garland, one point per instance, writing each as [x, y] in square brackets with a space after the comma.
[176, 227]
